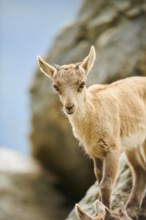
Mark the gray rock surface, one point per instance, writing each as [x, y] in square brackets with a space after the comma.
[117, 29]
[26, 191]
[120, 192]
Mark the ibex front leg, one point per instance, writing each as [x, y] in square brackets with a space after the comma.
[98, 168]
[110, 166]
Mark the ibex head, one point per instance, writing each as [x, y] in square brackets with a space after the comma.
[69, 81]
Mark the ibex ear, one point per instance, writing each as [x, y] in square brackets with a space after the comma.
[88, 62]
[46, 68]
[108, 211]
[123, 212]
[82, 215]
[99, 207]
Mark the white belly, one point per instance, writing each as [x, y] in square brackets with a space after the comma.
[133, 141]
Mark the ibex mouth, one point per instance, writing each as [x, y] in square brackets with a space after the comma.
[70, 112]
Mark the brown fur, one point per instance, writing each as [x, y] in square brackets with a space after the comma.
[106, 119]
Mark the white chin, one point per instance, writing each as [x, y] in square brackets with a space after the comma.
[71, 112]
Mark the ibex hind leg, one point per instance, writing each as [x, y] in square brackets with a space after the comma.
[136, 163]
[142, 211]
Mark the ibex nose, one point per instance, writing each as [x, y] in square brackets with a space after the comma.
[69, 106]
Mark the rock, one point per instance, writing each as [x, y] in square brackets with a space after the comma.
[120, 192]
[117, 29]
[26, 191]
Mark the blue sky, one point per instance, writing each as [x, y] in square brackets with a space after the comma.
[27, 28]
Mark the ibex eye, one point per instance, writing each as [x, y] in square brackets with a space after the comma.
[56, 87]
[82, 85]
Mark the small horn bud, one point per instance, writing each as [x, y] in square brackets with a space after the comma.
[57, 66]
[77, 65]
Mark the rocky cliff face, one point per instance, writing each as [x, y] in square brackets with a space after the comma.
[120, 193]
[26, 191]
[117, 29]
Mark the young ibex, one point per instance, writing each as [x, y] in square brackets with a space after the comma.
[106, 119]
[103, 213]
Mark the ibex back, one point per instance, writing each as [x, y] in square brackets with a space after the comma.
[106, 119]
